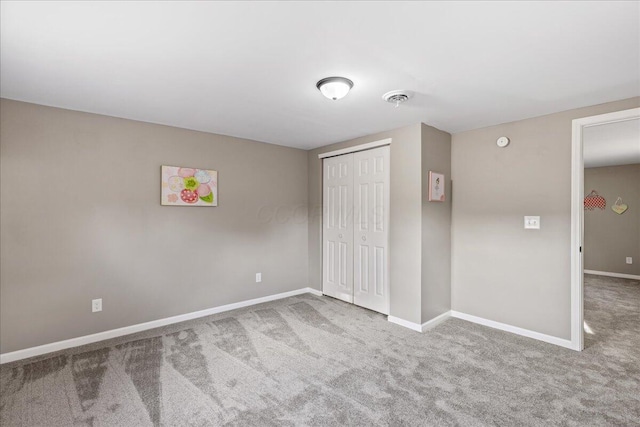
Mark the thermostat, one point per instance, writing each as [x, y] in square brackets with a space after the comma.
[502, 142]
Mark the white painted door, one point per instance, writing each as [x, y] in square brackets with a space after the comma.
[371, 229]
[337, 227]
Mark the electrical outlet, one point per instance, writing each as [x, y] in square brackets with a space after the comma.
[532, 222]
[96, 305]
[629, 260]
[258, 277]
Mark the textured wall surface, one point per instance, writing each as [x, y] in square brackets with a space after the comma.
[609, 237]
[500, 271]
[81, 219]
[436, 226]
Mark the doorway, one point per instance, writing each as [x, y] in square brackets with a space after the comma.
[579, 129]
[355, 228]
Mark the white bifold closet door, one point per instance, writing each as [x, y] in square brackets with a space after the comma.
[356, 228]
[337, 276]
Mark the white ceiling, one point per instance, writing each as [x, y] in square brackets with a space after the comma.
[249, 69]
[612, 144]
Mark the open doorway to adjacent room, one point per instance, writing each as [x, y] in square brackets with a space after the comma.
[605, 228]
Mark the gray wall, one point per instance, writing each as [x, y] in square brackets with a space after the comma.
[436, 226]
[500, 271]
[609, 237]
[405, 218]
[81, 219]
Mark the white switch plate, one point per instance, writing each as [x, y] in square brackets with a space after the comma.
[532, 222]
[629, 260]
[258, 277]
[96, 305]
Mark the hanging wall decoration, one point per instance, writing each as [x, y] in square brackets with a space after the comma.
[189, 187]
[594, 200]
[436, 187]
[619, 207]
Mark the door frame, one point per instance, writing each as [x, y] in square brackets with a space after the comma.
[577, 215]
[355, 148]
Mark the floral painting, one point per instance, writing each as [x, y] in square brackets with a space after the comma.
[189, 186]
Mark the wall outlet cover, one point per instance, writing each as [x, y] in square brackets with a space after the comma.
[258, 277]
[629, 260]
[532, 222]
[96, 305]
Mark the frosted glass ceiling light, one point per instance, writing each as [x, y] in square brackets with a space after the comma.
[334, 87]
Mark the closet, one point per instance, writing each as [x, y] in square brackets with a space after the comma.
[355, 228]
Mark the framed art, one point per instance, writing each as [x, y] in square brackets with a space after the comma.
[436, 187]
[189, 187]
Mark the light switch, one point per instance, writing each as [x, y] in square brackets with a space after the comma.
[532, 222]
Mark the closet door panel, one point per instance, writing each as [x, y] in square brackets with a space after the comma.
[337, 227]
[371, 229]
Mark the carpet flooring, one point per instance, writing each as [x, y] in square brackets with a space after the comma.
[309, 360]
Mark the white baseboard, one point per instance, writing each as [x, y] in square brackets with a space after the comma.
[435, 321]
[417, 327]
[608, 274]
[405, 323]
[114, 333]
[514, 329]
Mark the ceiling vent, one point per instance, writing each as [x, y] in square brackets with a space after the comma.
[397, 96]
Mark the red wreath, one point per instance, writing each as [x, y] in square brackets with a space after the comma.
[594, 200]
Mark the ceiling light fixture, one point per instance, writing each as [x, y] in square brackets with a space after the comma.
[334, 87]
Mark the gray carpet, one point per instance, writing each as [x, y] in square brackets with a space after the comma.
[311, 360]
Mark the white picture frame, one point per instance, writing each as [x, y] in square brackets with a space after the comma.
[436, 187]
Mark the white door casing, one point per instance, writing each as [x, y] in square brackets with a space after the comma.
[371, 229]
[337, 227]
[577, 215]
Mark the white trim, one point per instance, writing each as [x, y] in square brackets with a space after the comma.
[435, 321]
[420, 328]
[398, 321]
[577, 236]
[513, 329]
[114, 333]
[618, 275]
[355, 148]
[577, 215]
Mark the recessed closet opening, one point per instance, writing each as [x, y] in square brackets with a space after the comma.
[355, 226]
